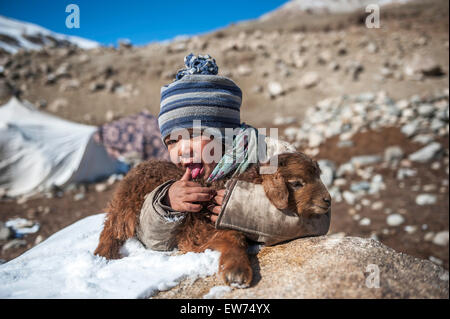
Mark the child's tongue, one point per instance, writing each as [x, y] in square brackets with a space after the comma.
[195, 169]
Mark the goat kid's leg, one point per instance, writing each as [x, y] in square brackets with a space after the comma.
[108, 246]
[234, 264]
[116, 230]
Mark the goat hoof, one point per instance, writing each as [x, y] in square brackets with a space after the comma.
[239, 276]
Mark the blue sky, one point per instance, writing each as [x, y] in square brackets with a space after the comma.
[141, 21]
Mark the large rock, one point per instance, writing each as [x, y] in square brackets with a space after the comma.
[327, 267]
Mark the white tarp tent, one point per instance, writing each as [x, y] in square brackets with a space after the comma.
[39, 150]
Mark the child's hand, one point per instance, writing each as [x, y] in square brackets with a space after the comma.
[215, 209]
[184, 195]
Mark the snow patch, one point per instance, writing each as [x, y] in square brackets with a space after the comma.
[63, 266]
[217, 292]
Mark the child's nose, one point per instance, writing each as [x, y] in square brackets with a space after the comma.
[185, 150]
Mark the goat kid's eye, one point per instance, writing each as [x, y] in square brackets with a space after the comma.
[295, 184]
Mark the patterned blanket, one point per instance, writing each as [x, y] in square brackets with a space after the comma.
[133, 138]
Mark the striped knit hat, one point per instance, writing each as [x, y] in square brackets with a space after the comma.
[198, 93]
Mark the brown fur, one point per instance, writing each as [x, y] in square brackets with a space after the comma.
[197, 232]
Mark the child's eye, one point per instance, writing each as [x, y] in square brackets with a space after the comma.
[169, 142]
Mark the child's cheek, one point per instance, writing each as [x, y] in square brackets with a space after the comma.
[173, 153]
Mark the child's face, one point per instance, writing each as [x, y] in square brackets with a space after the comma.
[192, 153]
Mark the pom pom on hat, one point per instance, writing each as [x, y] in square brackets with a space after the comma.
[201, 64]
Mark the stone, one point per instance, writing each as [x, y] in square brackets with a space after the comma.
[429, 236]
[244, 70]
[328, 169]
[109, 116]
[437, 125]
[274, 89]
[426, 153]
[5, 232]
[426, 199]
[441, 238]
[70, 84]
[422, 65]
[410, 229]
[79, 196]
[406, 172]
[376, 184]
[346, 168]
[393, 154]
[377, 205]
[410, 129]
[100, 187]
[365, 97]
[429, 188]
[365, 221]
[331, 267]
[364, 160]
[14, 244]
[315, 139]
[38, 239]
[57, 104]
[335, 194]
[372, 47]
[309, 80]
[360, 186]
[349, 197]
[324, 57]
[437, 261]
[426, 110]
[395, 220]
[284, 120]
[423, 138]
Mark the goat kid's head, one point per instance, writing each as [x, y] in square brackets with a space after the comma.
[296, 185]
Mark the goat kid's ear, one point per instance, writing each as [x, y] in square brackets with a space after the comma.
[276, 190]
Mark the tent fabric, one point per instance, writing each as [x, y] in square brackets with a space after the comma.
[39, 151]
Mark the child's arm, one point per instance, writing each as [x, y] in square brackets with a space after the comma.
[164, 210]
[157, 221]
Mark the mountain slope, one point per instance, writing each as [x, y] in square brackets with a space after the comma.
[15, 35]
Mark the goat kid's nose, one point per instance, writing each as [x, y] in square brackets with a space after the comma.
[327, 200]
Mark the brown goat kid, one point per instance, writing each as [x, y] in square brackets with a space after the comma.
[295, 186]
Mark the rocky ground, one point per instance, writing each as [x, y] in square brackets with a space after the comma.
[327, 267]
[370, 104]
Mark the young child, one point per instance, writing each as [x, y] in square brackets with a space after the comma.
[199, 94]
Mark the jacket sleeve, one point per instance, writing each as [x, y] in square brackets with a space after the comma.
[158, 222]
